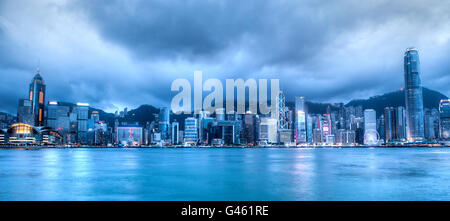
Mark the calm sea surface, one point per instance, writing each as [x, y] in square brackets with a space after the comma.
[225, 174]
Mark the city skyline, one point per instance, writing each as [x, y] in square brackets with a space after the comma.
[84, 58]
[70, 124]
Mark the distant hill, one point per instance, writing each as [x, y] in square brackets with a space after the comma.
[142, 115]
[431, 100]
[104, 116]
[145, 113]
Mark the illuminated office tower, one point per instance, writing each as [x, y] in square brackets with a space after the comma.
[370, 127]
[413, 96]
[325, 127]
[444, 119]
[129, 135]
[300, 120]
[58, 117]
[164, 122]
[37, 98]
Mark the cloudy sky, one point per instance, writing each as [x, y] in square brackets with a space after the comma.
[114, 54]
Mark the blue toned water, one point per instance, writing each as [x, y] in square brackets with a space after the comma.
[225, 174]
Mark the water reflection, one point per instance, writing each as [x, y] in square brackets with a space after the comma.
[225, 174]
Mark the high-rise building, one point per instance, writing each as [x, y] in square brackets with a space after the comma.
[37, 98]
[390, 124]
[317, 136]
[395, 128]
[300, 120]
[95, 115]
[325, 127]
[281, 111]
[164, 122]
[401, 123]
[371, 136]
[58, 118]
[190, 130]
[381, 127]
[82, 116]
[129, 135]
[413, 96]
[175, 133]
[309, 128]
[268, 130]
[203, 120]
[444, 119]
[345, 137]
[250, 128]
[225, 132]
[429, 125]
[25, 112]
[220, 114]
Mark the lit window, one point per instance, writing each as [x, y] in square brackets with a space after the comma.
[41, 97]
[31, 95]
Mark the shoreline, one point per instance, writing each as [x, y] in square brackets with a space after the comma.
[221, 147]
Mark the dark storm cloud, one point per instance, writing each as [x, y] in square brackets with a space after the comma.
[118, 53]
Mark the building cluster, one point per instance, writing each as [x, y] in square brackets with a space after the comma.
[53, 123]
[57, 123]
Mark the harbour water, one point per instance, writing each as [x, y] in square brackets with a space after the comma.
[225, 174]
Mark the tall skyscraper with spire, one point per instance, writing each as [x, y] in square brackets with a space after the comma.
[37, 98]
[413, 96]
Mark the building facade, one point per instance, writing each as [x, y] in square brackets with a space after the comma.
[413, 96]
[37, 98]
[444, 119]
[190, 130]
[371, 135]
[300, 120]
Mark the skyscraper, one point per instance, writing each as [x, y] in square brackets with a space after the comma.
[58, 117]
[413, 96]
[444, 119]
[300, 120]
[81, 112]
[325, 126]
[190, 130]
[401, 123]
[268, 130]
[250, 128]
[370, 127]
[281, 111]
[175, 132]
[390, 124]
[429, 125]
[164, 122]
[37, 98]
[24, 112]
